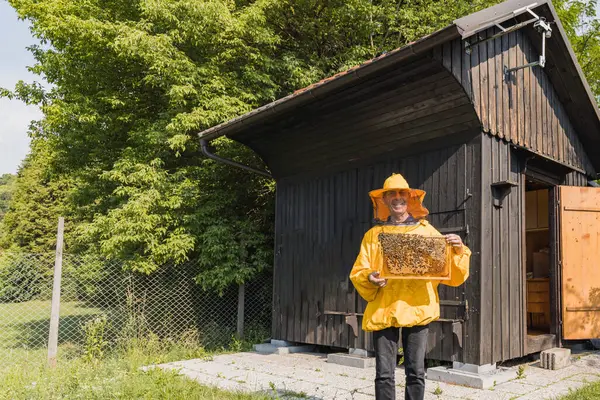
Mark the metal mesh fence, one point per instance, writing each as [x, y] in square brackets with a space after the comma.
[100, 295]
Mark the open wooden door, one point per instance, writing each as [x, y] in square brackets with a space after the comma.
[579, 216]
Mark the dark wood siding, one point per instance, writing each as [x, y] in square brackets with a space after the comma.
[502, 310]
[524, 109]
[472, 290]
[575, 179]
[321, 221]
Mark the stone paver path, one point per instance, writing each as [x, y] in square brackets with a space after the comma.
[309, 375]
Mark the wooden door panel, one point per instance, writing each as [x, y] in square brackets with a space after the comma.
[580, 256]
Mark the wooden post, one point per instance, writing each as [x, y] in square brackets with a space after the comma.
[240, 313]
[55, 313]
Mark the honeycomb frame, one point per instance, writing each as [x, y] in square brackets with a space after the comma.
[413, 256]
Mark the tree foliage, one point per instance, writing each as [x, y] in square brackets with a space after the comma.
[38, 199]
[583, 29]
[131, 83]
[7, 184]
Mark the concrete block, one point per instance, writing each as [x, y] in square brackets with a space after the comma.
[463, 377]
[267, 348]
[474, 369]
[298, 349]
[555, 358]
[281, 343]
[360, 352]
[351, 360]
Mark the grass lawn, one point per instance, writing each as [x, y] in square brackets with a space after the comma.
[589, 392]
[116, 377]
[24, 328]
[24, 374]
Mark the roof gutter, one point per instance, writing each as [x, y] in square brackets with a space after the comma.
[206, 151]
[321, 89]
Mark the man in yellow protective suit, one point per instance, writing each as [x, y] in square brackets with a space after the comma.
[410, 304]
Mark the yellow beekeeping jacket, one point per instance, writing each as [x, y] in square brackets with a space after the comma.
[402, 302]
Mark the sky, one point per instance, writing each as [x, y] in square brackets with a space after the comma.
[15, 116]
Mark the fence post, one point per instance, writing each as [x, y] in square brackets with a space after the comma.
[55, 313]
[240, 311]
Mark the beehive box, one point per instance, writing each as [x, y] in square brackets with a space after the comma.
[410, 256]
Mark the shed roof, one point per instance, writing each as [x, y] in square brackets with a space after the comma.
[322, 88]
[561, 66]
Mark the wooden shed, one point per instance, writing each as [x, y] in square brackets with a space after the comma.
[505, 150]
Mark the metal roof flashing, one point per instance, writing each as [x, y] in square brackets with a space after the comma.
[481, 20]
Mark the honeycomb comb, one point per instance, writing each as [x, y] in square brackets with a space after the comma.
[410, 256]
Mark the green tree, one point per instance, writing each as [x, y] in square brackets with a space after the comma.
[133, 82]
[583, 29]
[39, 198]
[7, 184]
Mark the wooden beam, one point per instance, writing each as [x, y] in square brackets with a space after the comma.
[55, 313]
[240, 311]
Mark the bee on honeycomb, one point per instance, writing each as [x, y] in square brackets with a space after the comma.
[408, 255]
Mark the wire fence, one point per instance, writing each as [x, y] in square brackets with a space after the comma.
[100, 295]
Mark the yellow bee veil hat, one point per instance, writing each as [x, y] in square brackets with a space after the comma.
[397, 182]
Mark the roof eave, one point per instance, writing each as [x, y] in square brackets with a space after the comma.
[302, 97]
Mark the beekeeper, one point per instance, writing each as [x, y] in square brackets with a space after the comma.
[410, 304]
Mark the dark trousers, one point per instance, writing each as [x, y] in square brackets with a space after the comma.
[414, 345]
